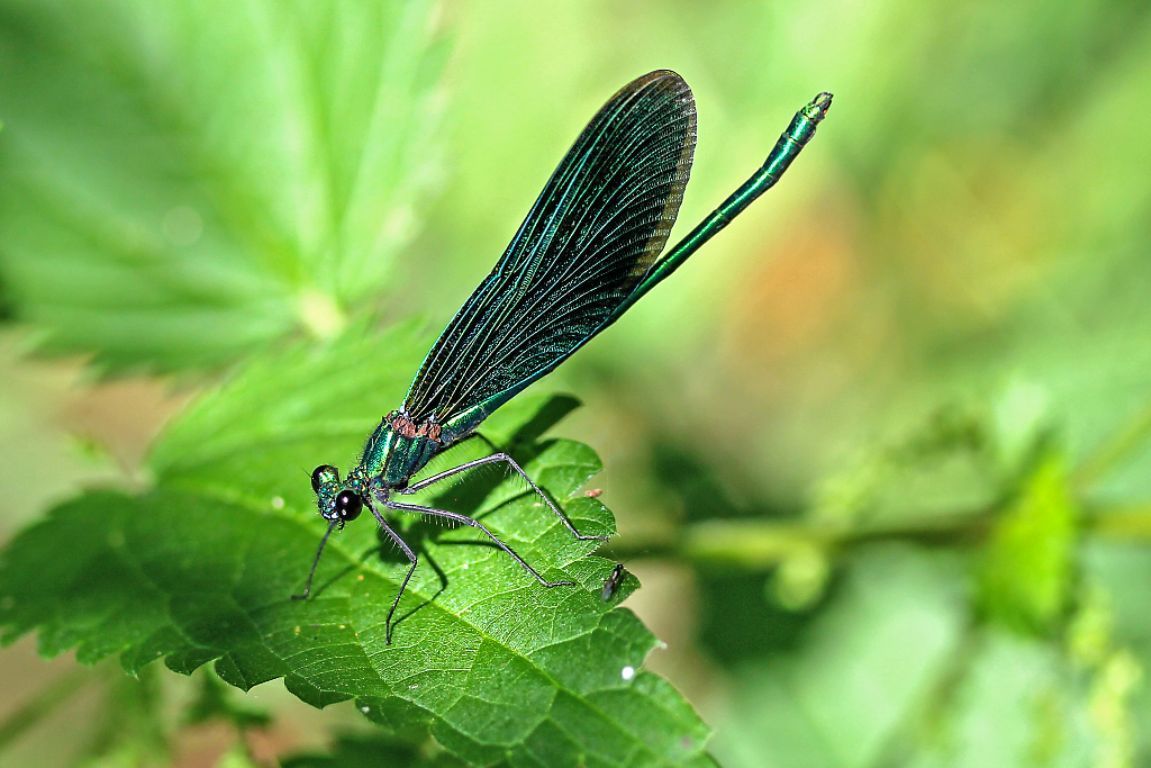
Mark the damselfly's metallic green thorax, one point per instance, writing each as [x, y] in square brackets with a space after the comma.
[590, 247]
[399, 448]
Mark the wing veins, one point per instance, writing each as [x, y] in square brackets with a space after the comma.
[595, 231]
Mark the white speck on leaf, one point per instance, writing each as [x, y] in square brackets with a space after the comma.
[627, 673]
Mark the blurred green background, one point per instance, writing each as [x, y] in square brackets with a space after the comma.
[880, 454]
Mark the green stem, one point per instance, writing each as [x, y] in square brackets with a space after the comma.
[756, 544]
[1116, 449]
[931, 715]
[42, 704]
[1121, 522]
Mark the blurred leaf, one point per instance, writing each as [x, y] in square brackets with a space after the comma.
[962, 458]
[1111, 707]
[1020, 427]
[184, 181]
[839, 698]
[1027, 703]
[1123, 570]
[216, 701]
[940, 465]
[1013, 706]
[130, 726]
[200, 569]
[368, 751]
[237, 757]
[1026, 572]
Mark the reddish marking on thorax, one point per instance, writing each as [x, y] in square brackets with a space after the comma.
[407, 427]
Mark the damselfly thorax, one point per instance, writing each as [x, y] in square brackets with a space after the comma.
[399, 448]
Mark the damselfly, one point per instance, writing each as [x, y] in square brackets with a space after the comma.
[589, 248]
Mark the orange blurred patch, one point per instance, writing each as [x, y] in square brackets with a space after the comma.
[120, 417]
[791, 299]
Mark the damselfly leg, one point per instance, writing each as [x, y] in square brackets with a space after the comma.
[472, 522]
[495, 459]
[315, 562]
[408, 553]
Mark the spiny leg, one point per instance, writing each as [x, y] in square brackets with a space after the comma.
[403, 545]
[465, 520]
[495, 458]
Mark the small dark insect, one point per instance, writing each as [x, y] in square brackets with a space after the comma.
[612, 582]
[589, 248]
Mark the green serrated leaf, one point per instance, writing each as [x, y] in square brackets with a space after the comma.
[1026, 572]
[200, 567]
[184, 181]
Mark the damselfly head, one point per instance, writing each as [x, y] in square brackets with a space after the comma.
[334, 501]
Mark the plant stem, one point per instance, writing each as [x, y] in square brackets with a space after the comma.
[753, 544]
[42, 704]
[1124, 522]
[1116, 449]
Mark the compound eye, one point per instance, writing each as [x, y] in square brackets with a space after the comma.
[348, 505]
[322, 474]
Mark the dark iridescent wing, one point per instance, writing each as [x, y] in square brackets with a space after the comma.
[598, 226]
